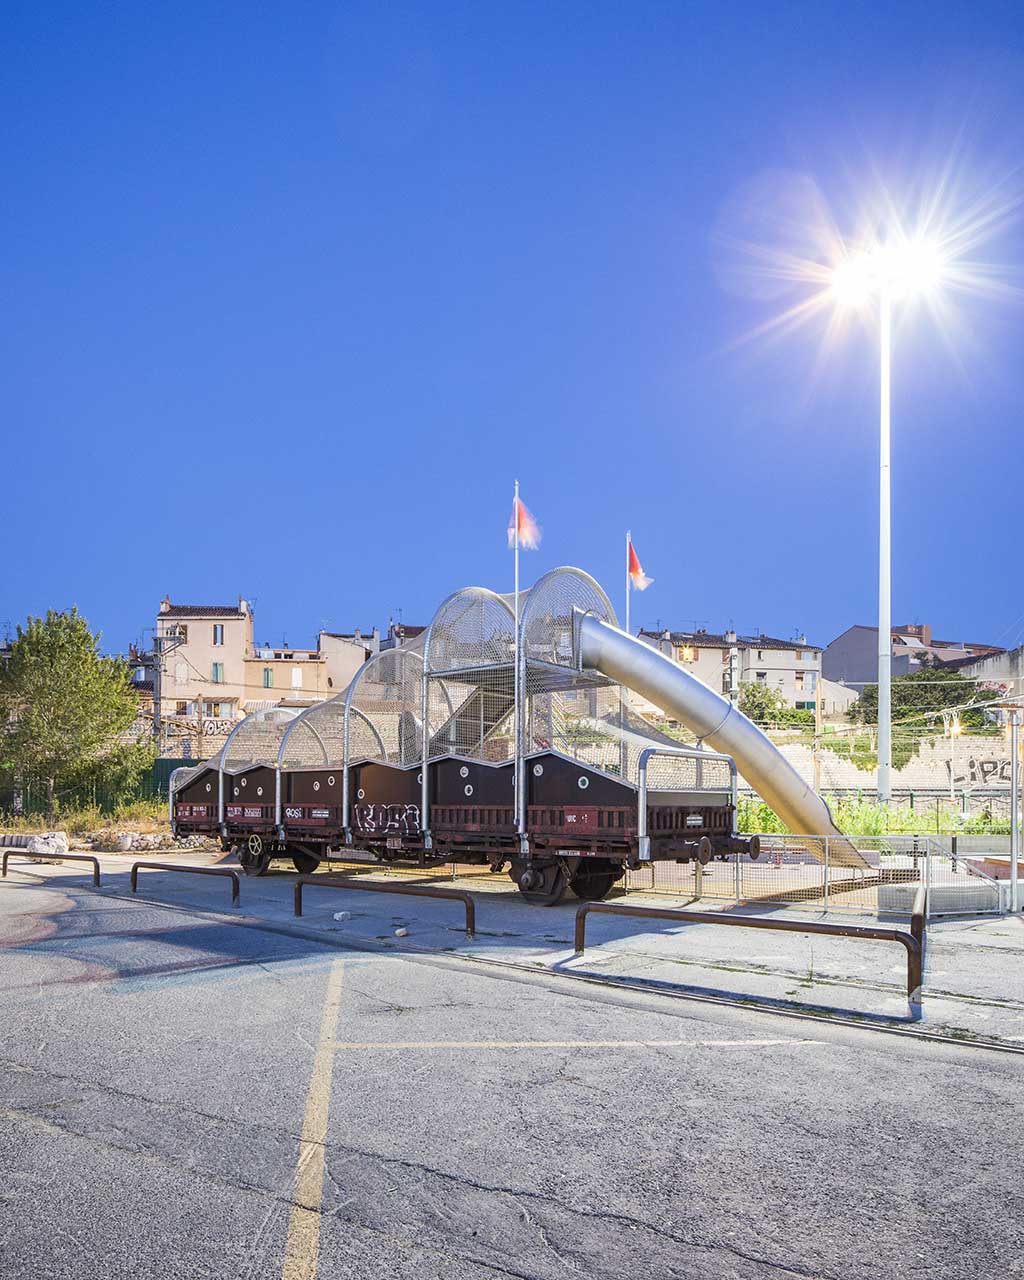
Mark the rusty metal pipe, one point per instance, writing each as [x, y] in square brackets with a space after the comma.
[913, 942]
[54, 857]
[194, 871]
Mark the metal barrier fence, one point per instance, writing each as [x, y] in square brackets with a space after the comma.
[412, 890]
[55, 857]
[912, 942]
[800, 870]
[192, 871]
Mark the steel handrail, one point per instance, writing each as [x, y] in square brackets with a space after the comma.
[689, 753]
[195, 871]
[56, 857]
[413, 890]
[913, 942]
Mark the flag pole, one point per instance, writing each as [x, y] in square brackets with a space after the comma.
[628, 538]
[517, 731]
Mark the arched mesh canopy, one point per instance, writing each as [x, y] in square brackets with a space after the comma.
[547, 616]
[316, 737]
[383, 709]
[474, 628]
[579, 714]
[470, 660]
[256, 740]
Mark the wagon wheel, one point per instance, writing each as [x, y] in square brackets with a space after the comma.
[704, 851]
[593, 878]
[254, 860]
[543, 886]
[305, 863]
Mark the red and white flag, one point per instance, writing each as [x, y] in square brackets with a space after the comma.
[637, 577]
[529, 530]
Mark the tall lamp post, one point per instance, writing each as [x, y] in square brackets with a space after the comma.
[886, 272]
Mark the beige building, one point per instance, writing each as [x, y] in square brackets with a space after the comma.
[209, 672]
[725, 661]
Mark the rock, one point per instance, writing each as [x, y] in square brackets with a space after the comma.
[52, 843]
[125, 840]
[401, 933]
[343, 915]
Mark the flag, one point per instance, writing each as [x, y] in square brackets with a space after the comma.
[529, 532]
[637, 577]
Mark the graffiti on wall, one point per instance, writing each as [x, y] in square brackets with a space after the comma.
[387, 819]
[980, 772]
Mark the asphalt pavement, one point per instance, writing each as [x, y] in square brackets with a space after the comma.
[195, 1092]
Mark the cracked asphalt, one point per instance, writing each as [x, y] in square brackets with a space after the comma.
[175, 1103]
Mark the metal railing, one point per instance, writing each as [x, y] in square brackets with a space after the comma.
[690, 753]
[816, 871]
[56, 857]
[912, 941]
[412, 890]
[193, 871]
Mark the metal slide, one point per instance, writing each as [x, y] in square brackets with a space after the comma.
[717, 722]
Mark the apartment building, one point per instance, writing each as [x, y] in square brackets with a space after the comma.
[724, 661]
[852, 657]
[207, 671]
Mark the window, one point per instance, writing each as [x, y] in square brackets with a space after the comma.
[800, 681]
[181, 708]
[761, 675]
[760, 657]
[181, 673]
[296, 677]
[799, 655]
[685, 653]
[214, 710]
[218, 633]
[218, 673]
[268, 677]
[725, 655]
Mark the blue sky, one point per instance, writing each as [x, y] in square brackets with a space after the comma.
[292, 293]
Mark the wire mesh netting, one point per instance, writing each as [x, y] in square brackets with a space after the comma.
[257, 739]
[473, 628]
[471, 677]
[384, 708]
[316, 737]
[546, 623]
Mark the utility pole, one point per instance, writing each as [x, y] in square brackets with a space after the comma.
[162, 644]
[815, 750]
[1014, 810]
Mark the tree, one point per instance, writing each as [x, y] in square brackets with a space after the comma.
[765, 705]
[920, 698]
[65, 709]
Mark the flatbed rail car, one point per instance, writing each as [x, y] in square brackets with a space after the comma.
[483, 741]
[584, 827]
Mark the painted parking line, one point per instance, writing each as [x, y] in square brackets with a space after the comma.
[567, 1044]
[302, 1247]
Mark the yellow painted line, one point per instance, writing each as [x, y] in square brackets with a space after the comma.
[302, 1248]
[566, 1044]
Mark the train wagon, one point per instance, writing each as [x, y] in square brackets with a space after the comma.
[430, 756]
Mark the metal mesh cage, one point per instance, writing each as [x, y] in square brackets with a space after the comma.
[470, 707]
[257, 739]
[473, 718]
[473, 628]
[316, 737]
[547, 617]
[383, 709]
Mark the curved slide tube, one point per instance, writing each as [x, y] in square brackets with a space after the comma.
[716, 721]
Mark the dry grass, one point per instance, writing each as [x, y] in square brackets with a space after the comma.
[148, 817]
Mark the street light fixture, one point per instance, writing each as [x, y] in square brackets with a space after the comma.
[887, 272]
